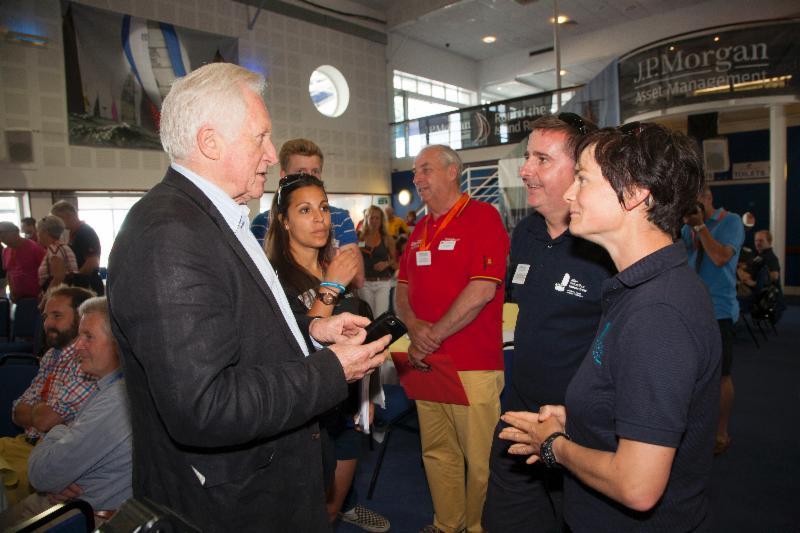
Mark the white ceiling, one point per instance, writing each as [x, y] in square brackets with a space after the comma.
[522, 26]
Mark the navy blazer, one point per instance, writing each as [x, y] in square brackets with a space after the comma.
[216, 380]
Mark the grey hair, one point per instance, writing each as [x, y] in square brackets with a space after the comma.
[211, 95]
[52, 225]
[63, 206]
[97, 305]
[448, 156]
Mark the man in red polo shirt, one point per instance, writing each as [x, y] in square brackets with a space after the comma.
[450, 295]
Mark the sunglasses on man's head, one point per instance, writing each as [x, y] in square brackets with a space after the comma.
[575, 121]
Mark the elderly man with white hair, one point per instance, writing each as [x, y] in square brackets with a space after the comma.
[224, 390]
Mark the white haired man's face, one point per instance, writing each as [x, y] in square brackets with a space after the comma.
[246, 158]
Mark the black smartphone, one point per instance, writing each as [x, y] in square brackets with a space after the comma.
[385, 324]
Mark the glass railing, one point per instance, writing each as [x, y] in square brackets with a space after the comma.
[497, 123]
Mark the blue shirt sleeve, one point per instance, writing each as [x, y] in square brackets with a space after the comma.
[259, 226]
[343, 229]
[730, 232]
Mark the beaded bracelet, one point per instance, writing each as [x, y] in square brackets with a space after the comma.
[333, 285]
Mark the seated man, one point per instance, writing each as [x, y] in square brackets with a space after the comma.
[91, 457]
[761, 272]
[56, 393]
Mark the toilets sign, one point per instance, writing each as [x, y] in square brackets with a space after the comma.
[738, 63]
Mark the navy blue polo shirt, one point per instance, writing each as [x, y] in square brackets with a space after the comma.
[559, 308]
[651, 375]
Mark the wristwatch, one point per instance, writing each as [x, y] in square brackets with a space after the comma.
[546, 449]
[328, 298]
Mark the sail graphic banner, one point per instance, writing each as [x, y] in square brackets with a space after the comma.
[119, 68]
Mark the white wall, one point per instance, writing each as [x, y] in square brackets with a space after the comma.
[412, 56]
[615, 41]
[356, 145]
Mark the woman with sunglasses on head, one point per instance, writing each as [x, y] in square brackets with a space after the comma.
[317, 283]
[638, 428]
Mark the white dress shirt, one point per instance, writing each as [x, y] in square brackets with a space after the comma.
[237, 217]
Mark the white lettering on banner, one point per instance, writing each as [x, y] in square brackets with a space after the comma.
[721, 59]
[723, 83]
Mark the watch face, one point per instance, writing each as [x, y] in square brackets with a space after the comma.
[327, 298]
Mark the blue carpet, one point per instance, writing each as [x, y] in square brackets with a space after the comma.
[755, 485]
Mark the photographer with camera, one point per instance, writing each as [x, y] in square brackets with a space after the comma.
[713, 239]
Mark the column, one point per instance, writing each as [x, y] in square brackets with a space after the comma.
[777, 182]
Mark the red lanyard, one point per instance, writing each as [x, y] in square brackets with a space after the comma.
[424, 244]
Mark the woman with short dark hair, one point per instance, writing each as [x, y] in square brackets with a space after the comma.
[638, 428]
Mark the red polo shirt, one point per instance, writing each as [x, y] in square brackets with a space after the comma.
[473, 245]
[22, 267]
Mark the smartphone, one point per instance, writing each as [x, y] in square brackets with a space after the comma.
[386, 324]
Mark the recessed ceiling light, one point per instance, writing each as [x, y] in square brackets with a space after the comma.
[563, 72]
[489, 39]
[562, 19]
[671, 48]
[716, 38]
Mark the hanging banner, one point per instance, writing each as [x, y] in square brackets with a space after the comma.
[505, 122]
[119, 68]
[758, 60]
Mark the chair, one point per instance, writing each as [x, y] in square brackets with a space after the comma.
[142, 515]
[58, 519]
[24, 322]
[743, 320]
[5, 318]
[398, 409]
[16, 373]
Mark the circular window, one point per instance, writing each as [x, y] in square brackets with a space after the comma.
[329, 91]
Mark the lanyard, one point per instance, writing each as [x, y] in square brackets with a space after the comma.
[424, 244]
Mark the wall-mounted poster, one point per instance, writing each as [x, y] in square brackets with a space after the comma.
[119, 68]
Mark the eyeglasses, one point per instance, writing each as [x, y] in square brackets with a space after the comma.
[575, 121]
[633, 128]
[293, 179]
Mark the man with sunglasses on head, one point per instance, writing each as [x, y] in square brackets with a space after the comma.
[298, 156]
[555, 278]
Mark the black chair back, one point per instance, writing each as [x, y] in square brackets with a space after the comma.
[74, 516]
[16, 373]
[24, 324]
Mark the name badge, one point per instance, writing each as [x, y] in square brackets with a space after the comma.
[520, 274]
[447, 244]
[424, 258]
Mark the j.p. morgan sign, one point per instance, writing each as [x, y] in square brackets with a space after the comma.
[737, 63]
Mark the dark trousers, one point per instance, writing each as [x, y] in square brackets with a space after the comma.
[521, 497]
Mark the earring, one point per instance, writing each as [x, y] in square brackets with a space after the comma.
[648, 200]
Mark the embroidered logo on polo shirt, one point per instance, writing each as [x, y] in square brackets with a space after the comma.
[598, 347]
[571, 286]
